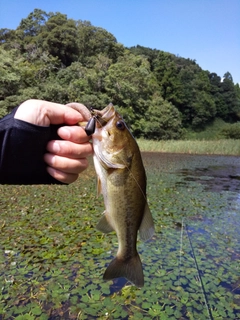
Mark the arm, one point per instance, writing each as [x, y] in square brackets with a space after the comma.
[25, 137]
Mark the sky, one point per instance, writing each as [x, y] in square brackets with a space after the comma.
[207, 31]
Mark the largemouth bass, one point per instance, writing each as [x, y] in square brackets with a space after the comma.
[122, 182]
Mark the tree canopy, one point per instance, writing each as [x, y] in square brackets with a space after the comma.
[159, 94]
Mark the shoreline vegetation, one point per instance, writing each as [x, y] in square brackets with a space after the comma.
[229, 147]
[159, 94]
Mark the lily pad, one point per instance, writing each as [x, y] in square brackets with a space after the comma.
[52, 258]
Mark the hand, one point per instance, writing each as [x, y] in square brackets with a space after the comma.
[65, 158]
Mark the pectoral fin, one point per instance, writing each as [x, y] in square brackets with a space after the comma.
[146, 229]
[104, 225]
[110, 164]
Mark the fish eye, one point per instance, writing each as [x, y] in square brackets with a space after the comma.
[120, 125]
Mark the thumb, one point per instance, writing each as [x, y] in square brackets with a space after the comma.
[69, 114]
[44, 113]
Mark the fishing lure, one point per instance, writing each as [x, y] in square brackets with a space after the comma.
[90, 127]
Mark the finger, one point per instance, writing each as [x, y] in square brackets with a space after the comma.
[62, 176]
[67, 114]
[70, 149]
[66, 165]
[44, 113]
[73, 133]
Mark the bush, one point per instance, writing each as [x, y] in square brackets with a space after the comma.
[231, 131]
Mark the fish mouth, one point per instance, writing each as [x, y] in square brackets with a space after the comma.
[103, 116]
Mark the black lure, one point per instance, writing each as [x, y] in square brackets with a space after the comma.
[90, 127]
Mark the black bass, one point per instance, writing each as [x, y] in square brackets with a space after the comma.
[122, 181]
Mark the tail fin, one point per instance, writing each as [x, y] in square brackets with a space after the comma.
[130, 269]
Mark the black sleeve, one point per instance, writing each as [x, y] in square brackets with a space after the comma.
[22, 146]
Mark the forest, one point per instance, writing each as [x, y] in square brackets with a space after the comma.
[160, 95]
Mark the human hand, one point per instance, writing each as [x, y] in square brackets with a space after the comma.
[65, 158]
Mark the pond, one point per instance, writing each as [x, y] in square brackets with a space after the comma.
[52, 258]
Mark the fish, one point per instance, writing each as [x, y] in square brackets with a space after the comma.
[121, 179]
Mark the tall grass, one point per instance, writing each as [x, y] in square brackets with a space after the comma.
[218, 147]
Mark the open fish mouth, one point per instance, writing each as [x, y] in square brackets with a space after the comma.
[99, 118]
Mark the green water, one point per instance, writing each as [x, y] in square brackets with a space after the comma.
[52, 258]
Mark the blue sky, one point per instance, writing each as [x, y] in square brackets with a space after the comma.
[205, 30]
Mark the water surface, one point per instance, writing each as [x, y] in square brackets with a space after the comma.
[52, 258]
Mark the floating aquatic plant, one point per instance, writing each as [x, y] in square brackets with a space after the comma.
[52, 258]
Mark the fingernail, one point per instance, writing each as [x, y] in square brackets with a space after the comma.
[64, 133]
[55, 147]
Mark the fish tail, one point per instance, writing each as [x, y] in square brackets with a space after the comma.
[131, 269]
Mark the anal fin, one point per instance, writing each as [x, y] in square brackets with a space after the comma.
[146, 229]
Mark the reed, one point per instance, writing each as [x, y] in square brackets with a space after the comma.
[218, 147]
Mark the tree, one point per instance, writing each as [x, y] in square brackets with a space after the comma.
[166, 72]
[7, 36]
[55, 58]
[150, 54]
[198, 106]
[215, 89]
[59, 38]
[129, 84]
[237, 108]
[21, 78]
[93, 41]
[25, 33]
[162, 120]
[32, 25]
[10, 73]
[229, 98]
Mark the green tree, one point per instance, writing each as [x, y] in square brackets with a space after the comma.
[10, 78]
[59, 38]
[32, 25]
[52, 57]
[162, 120]
[93, 41]
[230, 98]
[203, 105]
[129, 84]
[166, 72]
[221, 106]
[6, 37]
[150, 54]
[86, 84]
[198, 106]
[21, 78]
[237, 107]
[26, 32]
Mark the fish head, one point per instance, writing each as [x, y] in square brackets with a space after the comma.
[112, 139]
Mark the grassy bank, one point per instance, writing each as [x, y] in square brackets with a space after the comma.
[219, 147]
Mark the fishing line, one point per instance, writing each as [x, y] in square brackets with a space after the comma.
[200, 278]
[144, 196]
[180, 252]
